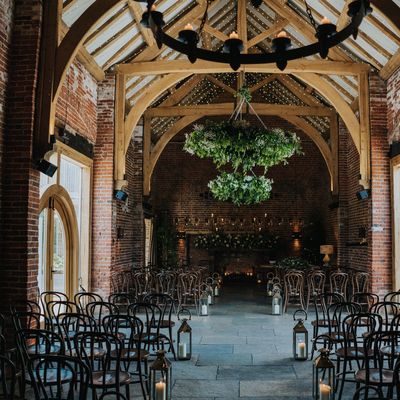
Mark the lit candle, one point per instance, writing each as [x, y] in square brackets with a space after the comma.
[161, 392]
[276, 309]
[209, 299]
[233, 35]
[216, 292]
[153, 7]
[326, 21]
[301, 349]
[203, 309]
[282, 34]
[182, 350]
[324, 391]
[188, 27]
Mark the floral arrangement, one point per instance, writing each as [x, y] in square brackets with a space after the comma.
[235, 241]
[243, 147]
[293, 263]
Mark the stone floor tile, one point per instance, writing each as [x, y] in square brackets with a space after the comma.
[255, 373]
[223, 339]
[199, 389]
[284, 386]
[225, 359]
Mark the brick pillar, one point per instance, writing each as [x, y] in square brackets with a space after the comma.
[19, 225]
[380, 255]
[103, 226]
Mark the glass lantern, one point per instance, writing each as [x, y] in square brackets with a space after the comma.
[276, 302]
[210, 290]
[300, 337]
[270, 284]
[204, 303]
[160, 378]
[323, 376]
[184, 337]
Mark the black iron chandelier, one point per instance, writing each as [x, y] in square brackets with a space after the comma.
[188, 39]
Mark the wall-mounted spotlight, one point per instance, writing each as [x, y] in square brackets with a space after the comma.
[120, 195]
[363, 194]
[46, 167]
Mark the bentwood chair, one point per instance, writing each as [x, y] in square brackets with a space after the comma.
[166, 304]
[58, 377]
[105, 374]
[365, 300]
[361, 282]
[338, 282]
[380, 366]
[8, 377]
[315, 285]
[132, 352]
[82, 299]
[293, 289]
[352, 352]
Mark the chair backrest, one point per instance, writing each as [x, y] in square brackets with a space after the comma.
[99, 309]
[112, 396]
[51, 295]
[32, 342]
[294, 282]
[127, 326]
[338, 312]
[121, 300]
[388, 309]
[164, 301]
[338, 283]
[354, 327]
[8, 375]
[56, 377]
[33, 320]
[316, 282]
[82, 299]
[87, 345]
[392, 296]
[365, 300]
[60, 307]
[381, 350]
[149, 314]
[322, 302]
[361, 281]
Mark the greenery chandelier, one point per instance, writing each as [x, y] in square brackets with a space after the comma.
[188, 38]
[241, 146]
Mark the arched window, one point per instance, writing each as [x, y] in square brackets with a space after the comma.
[64, 223]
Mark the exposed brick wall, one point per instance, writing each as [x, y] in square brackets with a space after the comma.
[380, 235]
[6, 17]
[19, 252]
[179, 179]
[77, 103]
[393, 103]
[129, 249]
[103, 227]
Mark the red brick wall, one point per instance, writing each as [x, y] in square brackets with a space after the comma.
[77, 104]
[129, 249]
[5, 36]
[179, 179]
[354, 214]
[380, 236]
[19, 239]
[393, 102]
[103, 227]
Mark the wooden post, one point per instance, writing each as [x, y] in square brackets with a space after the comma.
[119, 133]
[146, 155]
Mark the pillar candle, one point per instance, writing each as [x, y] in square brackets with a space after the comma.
[161, 392]
[182, 350]
[301, 349]
[324, 391]
[203, 309]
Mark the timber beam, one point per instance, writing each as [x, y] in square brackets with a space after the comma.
[162, 67]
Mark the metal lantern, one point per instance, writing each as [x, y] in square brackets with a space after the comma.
[216, 288]
[160, 378]
[204, 303]
[323, 374]
[276, 301]
[210, 290]
[270, 284]
[184, 337]
[300, 337]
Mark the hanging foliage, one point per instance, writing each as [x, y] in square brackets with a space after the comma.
[243, 147]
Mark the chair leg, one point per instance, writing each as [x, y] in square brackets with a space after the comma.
[171, 342]
[344, 372]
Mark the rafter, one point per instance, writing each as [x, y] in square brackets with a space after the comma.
[242, 22]
[227, 108]
[137, 12]
[317, 66]
[268, 32]
[215, 32]
[343, 19]
[182, 92]
[262, 83]
[391, 66]
[222, 85]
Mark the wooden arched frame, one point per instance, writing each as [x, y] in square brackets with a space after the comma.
[59, 199]
[58, 55]
[155, 153]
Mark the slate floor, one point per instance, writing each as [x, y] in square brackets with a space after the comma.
[243, 352]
